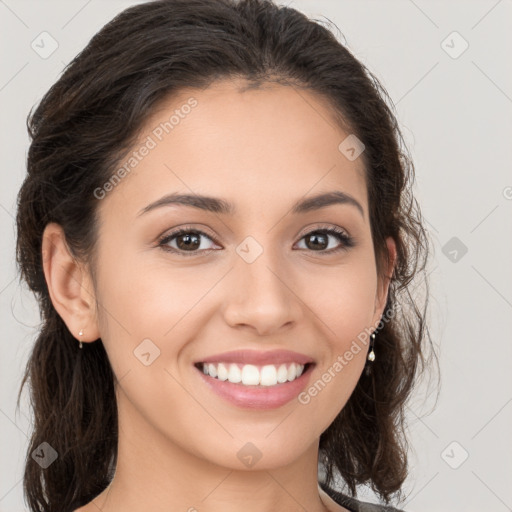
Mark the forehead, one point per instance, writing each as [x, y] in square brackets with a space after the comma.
[275, 144]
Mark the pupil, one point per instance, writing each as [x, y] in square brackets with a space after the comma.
[188, 243]
[315, 238]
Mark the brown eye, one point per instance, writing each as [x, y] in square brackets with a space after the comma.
[318, 240]
[187, 240]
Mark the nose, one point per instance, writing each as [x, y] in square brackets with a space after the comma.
[260, 297]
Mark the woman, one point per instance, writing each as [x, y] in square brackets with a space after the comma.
[218, 224]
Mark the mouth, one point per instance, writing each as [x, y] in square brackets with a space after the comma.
[254, 379]
[251, 375]
[255, 386]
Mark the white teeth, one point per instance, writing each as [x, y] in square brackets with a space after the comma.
[268, 375]
[234, 375]
[282, 374]
[222, 372]
[251, 375]
[212, 370]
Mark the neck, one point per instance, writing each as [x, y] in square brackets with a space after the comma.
[155, 473]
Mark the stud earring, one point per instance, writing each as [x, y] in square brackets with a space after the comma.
[371, 353]
[81, 333]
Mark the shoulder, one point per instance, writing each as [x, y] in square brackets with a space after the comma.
[355, 505]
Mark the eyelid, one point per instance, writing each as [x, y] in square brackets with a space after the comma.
[322, 226]
[307, 230]
[198, 228]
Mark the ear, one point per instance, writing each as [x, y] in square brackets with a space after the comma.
[381, 295]
[69, 284]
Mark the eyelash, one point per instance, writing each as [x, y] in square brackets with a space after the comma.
[346, 241]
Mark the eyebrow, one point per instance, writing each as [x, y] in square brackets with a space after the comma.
[221, 206]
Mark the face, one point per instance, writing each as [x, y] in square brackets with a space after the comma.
[266, 276]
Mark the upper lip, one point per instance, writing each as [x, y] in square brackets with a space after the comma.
[258, 358]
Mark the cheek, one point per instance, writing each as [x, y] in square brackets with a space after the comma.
[145, 326]
[145, 297]
[151, 305]
[344, 303]
[343, 298]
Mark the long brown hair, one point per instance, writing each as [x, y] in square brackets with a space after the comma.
[82, 128]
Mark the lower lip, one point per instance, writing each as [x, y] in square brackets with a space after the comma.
[257, 397]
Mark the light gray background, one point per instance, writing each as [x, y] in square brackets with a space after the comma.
[455, 114]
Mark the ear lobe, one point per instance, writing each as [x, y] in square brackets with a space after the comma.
[69, 284]
[383, 283]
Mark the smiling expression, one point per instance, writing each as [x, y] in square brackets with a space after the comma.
[268, 248]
